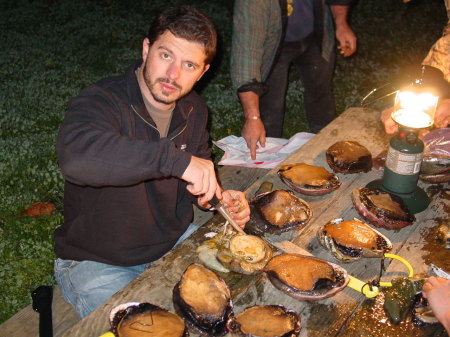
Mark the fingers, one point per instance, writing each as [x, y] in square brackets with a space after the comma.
[254, 132]
[251, 144]
[237, 205]
[389, 125]
[201, 177]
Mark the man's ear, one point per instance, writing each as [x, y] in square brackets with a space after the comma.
[204, 71]
[145, 49]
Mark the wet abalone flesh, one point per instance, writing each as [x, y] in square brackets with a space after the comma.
[245, 254]
[203, 299]
[308, 179]
[306, 277]
[265, 320]
[381, 208]
[349, 157]
[142, 319]
[352, 239]
[276, 212]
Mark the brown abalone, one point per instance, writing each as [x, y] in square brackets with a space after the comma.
[276, 212]
[381, 208]
[308, 179]
[265, 320]
[352, 239]
[203, 299]
[145, 319]
[306, 277]
[349, 157]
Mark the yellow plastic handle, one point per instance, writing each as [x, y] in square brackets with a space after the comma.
[108, 334]
[402, 260]
[363, 287]
[372, 291]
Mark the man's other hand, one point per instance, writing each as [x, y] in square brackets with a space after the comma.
[201, 177]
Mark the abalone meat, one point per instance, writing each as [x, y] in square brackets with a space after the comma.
[305, 277]
[265, 320]
[145, 319]
[349, 157]
[203, 299]
[308, 179]
[352, 239]
[381, 208]
[276, 212]
[245, 254]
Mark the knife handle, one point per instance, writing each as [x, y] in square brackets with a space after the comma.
[214, 201]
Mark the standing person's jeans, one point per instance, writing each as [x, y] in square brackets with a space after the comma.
[87, 284]
[316, 75]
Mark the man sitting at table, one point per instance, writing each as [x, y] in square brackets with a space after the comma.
[134, 153]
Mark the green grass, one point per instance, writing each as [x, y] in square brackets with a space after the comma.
[52, 49]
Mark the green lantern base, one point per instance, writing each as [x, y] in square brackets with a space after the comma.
[416, 201]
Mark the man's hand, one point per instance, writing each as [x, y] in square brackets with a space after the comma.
[237, 205]
[437, 291]
[201, 177]
[344, 34]
[442, 116]
[389, 125]
[254, 132]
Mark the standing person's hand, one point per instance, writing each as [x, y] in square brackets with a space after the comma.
[442, 116]
[389, 125]
[202, 180]
[347, 40]
[344, 34]
[254, 132]
[437, 291]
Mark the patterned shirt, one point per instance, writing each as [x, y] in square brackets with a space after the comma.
[439, 54]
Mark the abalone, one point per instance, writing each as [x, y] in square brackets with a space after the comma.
[381, 208]
[308, 179]
[276, 212]
[229, 251]
[349, 157]
[265, 320]
[305, 277]
[203, 299]
[352, 239]
[145, 319]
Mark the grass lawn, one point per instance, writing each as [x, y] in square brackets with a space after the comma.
[53, 48]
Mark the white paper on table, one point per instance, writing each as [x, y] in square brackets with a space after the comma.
[275, 151]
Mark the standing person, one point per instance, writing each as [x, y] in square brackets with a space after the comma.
[134, 153]
[436, 72]
[269, 36]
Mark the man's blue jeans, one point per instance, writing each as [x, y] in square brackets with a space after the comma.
[87, 284]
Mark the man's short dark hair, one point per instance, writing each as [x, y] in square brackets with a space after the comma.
[188, 23]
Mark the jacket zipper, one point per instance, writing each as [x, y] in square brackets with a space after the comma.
[149, 124]
[185, 125]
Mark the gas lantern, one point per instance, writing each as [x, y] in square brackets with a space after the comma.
[414, 110]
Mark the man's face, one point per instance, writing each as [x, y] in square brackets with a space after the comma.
[172, 66]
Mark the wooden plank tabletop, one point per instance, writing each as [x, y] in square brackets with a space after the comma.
[329, 317]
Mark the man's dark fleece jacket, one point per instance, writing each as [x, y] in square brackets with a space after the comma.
[124, 201]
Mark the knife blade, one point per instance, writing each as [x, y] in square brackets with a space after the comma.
[218, 206]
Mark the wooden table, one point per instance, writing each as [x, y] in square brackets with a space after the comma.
[341, 315]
